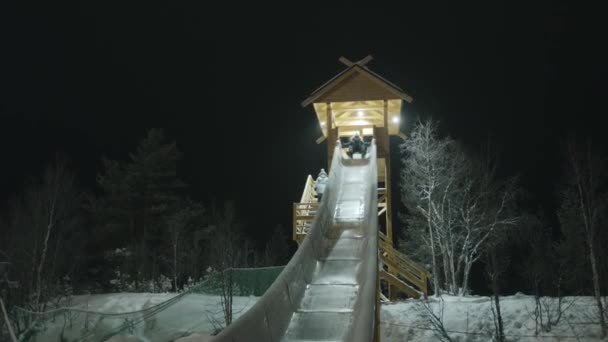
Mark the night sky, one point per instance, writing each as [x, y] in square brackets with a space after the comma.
[226, 83]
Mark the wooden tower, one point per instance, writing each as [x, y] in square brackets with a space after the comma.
[359, 100]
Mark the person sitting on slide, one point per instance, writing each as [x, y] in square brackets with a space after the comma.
[356, 145]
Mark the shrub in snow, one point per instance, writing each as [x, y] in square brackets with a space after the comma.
[164, 284]
[190, 283]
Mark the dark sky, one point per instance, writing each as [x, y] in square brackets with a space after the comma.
[226, 84]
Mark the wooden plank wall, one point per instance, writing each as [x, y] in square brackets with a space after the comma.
[356, 88]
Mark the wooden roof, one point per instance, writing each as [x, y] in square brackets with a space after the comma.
[356, 83]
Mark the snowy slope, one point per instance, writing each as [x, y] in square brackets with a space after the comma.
[471, 319]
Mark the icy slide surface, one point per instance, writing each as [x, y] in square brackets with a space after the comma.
[327, 292]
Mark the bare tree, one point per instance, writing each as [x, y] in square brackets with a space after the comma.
[226, 253]
[583, 203]
[460, 198]
[41, 240]
[56, 206]
[423, 179]
[485, 209]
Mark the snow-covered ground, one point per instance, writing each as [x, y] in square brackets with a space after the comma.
[465, 319]
[194, 313]
[471, 319]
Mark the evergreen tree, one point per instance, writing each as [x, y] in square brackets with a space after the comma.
[183, 225]
[140, 197]
[277, 247]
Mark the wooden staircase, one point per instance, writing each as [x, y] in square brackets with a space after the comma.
[400, 272]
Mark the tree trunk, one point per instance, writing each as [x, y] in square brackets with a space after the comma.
[446, 269]
[434, 261]
[465, 277]
[596, 288]
[227, 294]
[453, 274]
[133, 269]
[41, 265]
[500, 335]
[175, 264]
[32, 278]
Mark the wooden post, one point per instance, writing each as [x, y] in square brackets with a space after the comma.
[330, 135]
[425, 287]
[387, 181]
[378, 289]
[294, 213]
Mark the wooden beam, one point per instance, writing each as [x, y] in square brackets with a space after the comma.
[353, 114]
[357, 124]
[345, 61]
[328, 116]
[330, 145]
[385, 113]
[391, 279]
[365, 60]
[366, 105]
[338, 114]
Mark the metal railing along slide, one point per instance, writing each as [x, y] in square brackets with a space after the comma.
[327, 291]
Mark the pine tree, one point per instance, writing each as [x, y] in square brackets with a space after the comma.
[278, 246]
[140, 196]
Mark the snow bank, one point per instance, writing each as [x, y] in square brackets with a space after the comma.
[471, 319]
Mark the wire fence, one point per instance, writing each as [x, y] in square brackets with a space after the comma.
[198, 309]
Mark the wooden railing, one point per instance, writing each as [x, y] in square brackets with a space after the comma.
[402, 267]
[308, 195]
[394, 282]
[303, 215]
[304, 212]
